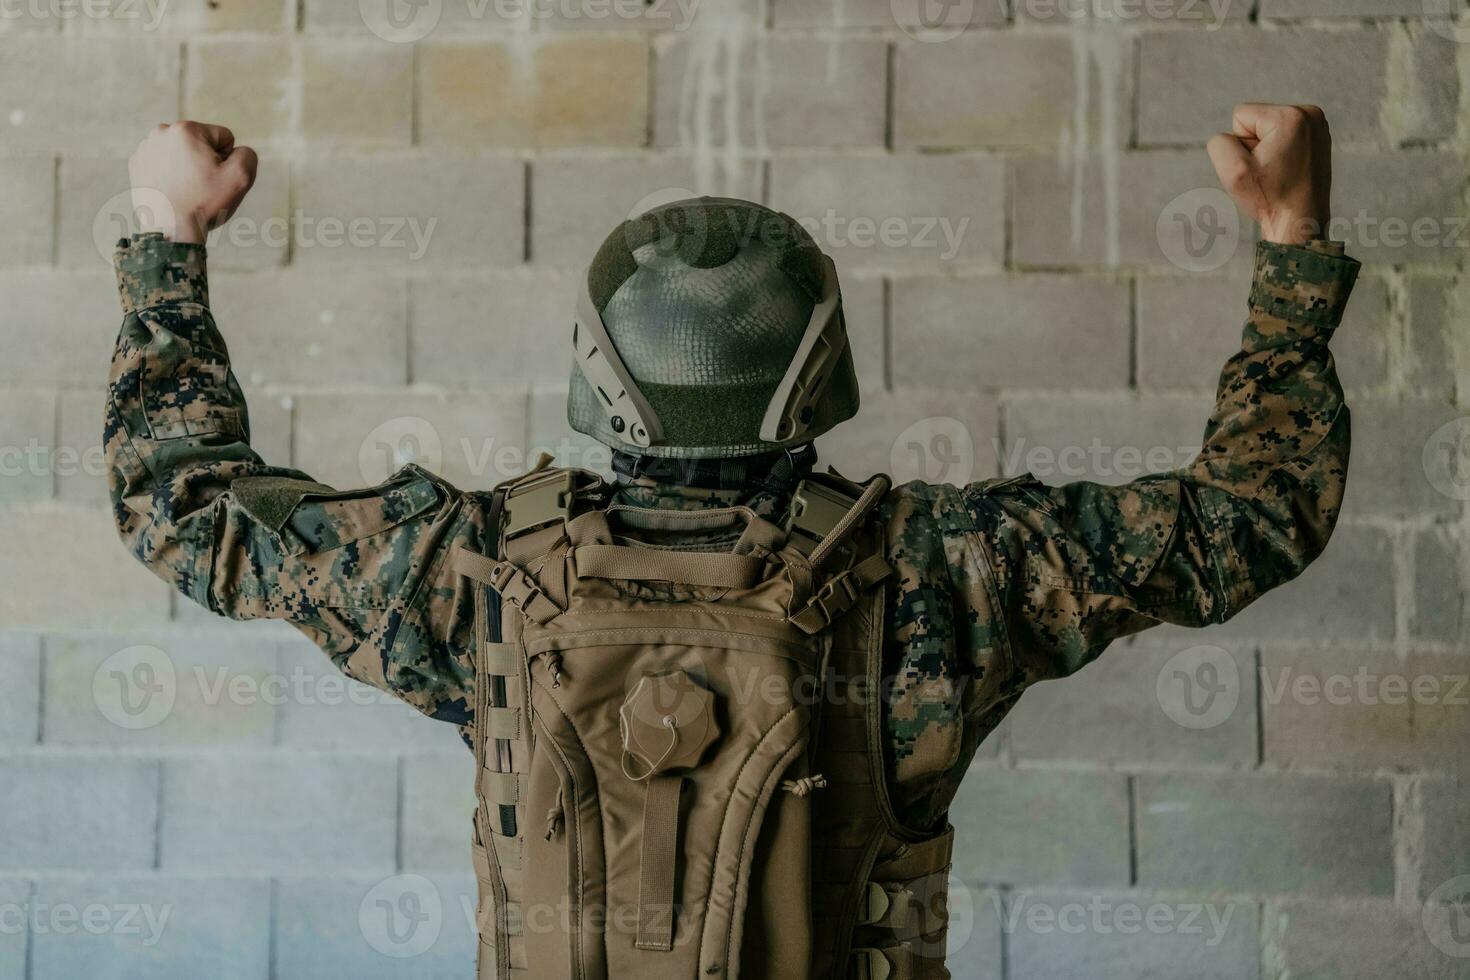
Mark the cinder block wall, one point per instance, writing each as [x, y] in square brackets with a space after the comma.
[184, 797]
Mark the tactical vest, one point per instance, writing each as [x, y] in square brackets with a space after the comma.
[680, 768]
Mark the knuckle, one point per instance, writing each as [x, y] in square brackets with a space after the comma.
[1294, 117]
[240, 175]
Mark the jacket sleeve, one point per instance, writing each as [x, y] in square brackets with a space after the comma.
[1080, 565]
[362, 573]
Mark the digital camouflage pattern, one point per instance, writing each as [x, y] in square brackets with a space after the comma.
[998, 584]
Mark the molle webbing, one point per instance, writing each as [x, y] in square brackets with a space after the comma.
[500, 754]
[848, 812]
[878, 898]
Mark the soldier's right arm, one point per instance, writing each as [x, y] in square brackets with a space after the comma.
[363, 573]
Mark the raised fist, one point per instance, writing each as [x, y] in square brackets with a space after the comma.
[189, 178]
[1277, 165]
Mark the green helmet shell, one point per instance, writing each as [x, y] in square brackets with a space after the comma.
[708, 303]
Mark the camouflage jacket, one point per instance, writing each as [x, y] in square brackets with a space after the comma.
[999, 584]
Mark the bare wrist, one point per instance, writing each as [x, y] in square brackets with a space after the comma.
[1293, 230]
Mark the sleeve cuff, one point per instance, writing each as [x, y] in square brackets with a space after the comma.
[1300, 285]
[151, 270]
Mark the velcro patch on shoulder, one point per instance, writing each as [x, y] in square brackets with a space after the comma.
[323, 522]
[269, 500]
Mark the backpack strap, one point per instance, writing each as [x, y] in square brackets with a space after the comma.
[510, 582]
[826, 510]
[824, 514]
[701, 569]
[599, 556]
[839, 593]
[534, 510]
[543, 497]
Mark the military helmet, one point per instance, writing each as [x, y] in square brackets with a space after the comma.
[710, 328]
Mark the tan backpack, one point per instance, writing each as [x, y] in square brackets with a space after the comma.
[680, 769]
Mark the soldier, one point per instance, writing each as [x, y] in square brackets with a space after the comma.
[709, 353]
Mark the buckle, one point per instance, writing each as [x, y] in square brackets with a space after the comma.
[514, 585]
[836, 595]
[543, 499]
[874, 904]
[816, 509]
[870, 964]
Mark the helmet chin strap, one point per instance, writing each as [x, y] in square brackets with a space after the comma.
[771, 470]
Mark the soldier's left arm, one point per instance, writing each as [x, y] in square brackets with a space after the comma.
[1080, 565]
[363, 573]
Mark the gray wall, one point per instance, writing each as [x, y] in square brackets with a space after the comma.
[1005, 205]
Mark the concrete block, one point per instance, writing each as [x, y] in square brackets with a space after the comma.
[323, 709]
[28, 450]
[1024, 331]
[413, 210]
[313, 329]
[916, 434]
[576, 202]
[509, 328]
[474, 440]
[438, 805]
[792, 91]
[92, 813]
[28, 199]
[1265, 834]
[561, 91]
[280, 814]
[1123, 935]
[914, 212]
[1031, 85]
[20, 697]
[1352, 941]
[159, 689]
[81, 314]
[65, 566]
[1098, 210]
[1083, 840]
[153, 928]
[1132, 707]
[1188, 81]
[1188, 326]
[127, 80]
[396, 928]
